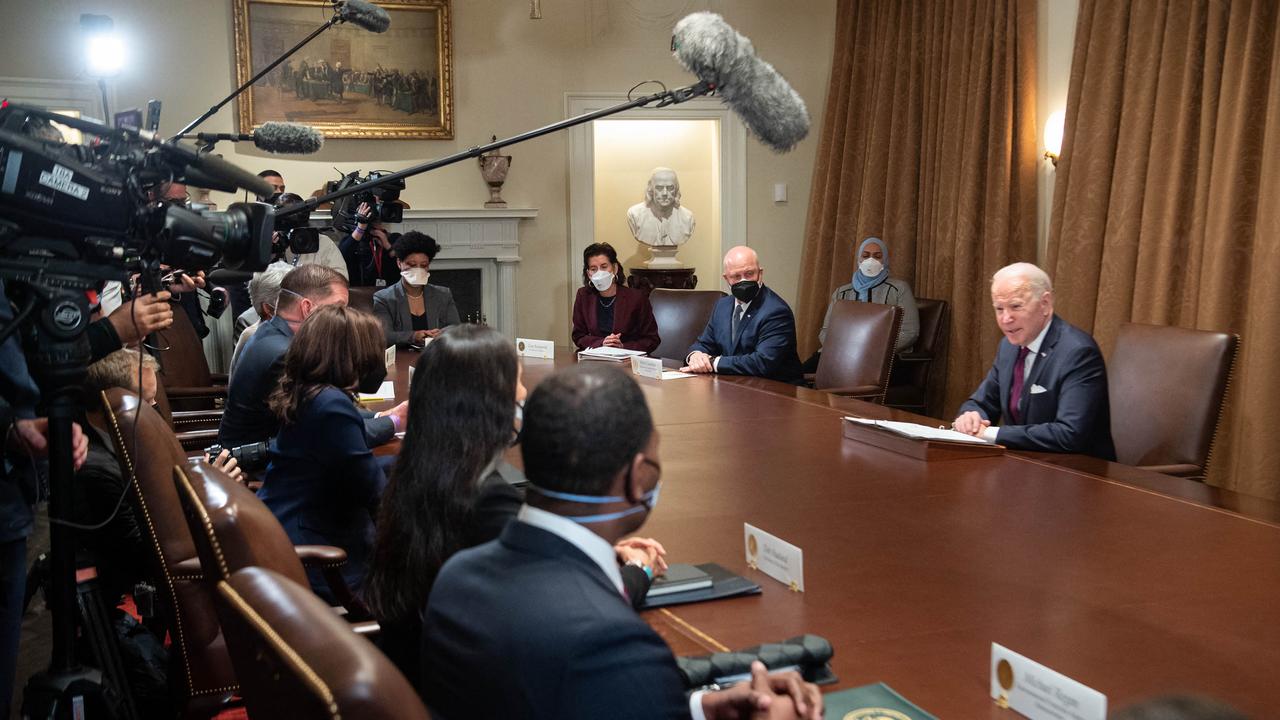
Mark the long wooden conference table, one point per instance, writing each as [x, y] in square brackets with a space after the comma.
[1132, 583]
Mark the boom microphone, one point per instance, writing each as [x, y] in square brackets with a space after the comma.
[707, 47]
[274, 137]
[365, 14]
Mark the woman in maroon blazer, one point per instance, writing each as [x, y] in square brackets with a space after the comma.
[607, 314]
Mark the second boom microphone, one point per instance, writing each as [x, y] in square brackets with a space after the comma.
[275, 137]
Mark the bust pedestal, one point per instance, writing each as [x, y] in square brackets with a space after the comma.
[647, 279]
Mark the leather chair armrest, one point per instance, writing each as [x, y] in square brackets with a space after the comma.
[861, 392]
[196, 419]
[1183, 470]
[321, 556]
[188, 569]
[196, 441]
[209, 391]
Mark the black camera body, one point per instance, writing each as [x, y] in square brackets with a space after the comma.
[383, 207]
[293, 232]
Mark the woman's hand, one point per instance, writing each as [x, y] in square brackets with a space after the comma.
[226, 464]
[613, 340]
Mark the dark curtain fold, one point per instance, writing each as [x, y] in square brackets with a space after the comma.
[1167, 200]
[928, 141]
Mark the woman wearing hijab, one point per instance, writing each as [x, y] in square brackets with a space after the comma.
[872, 283]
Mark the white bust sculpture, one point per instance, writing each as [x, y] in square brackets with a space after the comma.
[660, 222]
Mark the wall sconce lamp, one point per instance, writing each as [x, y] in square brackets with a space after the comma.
[1053, 136]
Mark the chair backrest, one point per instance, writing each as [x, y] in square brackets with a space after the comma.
[183, 363]
[681, 316]
[297, 659]
[231, 527]
[1167, 386]
[361, 298]
[933, 315]
[858, 353]
[149, 451]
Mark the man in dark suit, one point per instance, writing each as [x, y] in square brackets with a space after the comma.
[247, 419]
[751, 333]
[536, 624]
[1048, 383]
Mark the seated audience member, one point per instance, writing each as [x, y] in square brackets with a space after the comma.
[367, 250]
[118, 548]
[264, 288]
[872, 283]
[247, 418]
[1048, 383]
[447, 491]
[750, 333]
[535, 624]
[605, 312]
[327, 252]
[413, 310]
[322, 481]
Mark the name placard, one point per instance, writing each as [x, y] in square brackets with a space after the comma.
[647, 366]
[391, 356]
[1039, 693]
[776, 558]
[544, 349]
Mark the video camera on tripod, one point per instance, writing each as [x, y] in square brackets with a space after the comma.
[380, 197]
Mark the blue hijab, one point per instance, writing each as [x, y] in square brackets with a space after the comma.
[861, 283]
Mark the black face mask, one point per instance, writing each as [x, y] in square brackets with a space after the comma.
[372, 380]
[745, 290]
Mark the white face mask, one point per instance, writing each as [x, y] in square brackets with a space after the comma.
[870, 267]
[416, 277]
[602, 279]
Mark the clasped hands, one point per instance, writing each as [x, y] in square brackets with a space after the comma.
[971, 423]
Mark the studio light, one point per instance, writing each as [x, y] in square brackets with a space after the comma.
[104, 50]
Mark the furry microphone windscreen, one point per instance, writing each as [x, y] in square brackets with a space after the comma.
[366, 15]
[287, 138]
[770, 108]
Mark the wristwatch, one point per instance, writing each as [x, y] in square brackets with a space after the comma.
[647, 570]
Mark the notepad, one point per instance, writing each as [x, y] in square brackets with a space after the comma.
[386, 391]
[679, 578]
[919, 432]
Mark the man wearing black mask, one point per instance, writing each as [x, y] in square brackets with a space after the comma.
[751, 333]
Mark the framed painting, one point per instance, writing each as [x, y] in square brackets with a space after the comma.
[348, 82]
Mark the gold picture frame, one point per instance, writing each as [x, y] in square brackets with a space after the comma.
[348, 82]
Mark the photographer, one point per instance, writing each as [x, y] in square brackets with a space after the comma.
[326, 254]
[367, 251]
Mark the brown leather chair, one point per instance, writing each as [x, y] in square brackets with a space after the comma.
[858, 354]
[196, 429]
[913, 384]
[361, 298]
[200, 673]
[185, 370]
[1167, 386]
[681, 316]
[298, 660]
[233, 529]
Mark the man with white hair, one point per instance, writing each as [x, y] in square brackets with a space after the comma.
[751, 332]
[264, 289]
[1048, 387]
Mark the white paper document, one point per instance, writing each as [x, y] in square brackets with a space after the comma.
[609, 354]
[386, 391]
[920, 432]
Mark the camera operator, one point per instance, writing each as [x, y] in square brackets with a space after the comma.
[367, 250]
[241, 299]
[326, 254]
[25, 436]
[181, 285]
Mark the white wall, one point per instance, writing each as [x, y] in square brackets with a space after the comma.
[1055, 38]
[511, 75]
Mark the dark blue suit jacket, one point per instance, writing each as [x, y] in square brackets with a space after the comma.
[766, 345]
[1073, 413]
[527, 626]
[323, 483]
[247, 419]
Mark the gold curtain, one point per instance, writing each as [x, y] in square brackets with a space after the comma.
[1167, 199]
[928, 141]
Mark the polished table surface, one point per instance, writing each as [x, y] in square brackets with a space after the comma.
[1132, 583]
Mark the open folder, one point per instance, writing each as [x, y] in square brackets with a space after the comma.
[724, 584]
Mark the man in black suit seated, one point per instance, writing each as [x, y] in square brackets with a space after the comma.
[536, 624]
[1048, 382]
[751, 333]
[247, 419]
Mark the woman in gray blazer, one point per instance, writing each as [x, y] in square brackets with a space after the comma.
[413, 310]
